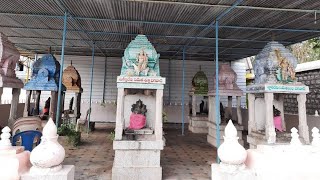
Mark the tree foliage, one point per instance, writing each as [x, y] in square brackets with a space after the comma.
[307, 51]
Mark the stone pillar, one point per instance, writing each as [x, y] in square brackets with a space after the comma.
[281, 109]
[14, 106]
[159, 106]
[120, 114]
[27, 104]
[37, 103]
[210, 106]
[77, 101]
[268, 99]
[303, 127]
[251, 113]
[229, 109]
[53, 106]
[1, 92]
[239, 115]
[194, 105]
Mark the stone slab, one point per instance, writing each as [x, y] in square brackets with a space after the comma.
[135, 145]
[66, 173]
[295, 88]
[137, 158]
[199, 130]
[141, 79]
[140, 86]
[226, 92]
[141, 173]
[218, 174]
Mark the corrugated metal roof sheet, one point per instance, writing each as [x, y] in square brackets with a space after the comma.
[36, 25]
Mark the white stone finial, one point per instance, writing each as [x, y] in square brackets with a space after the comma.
[295, 137]
[49, 154]
[5, 142]
[230, 152]
[315, 137]
[316, 113]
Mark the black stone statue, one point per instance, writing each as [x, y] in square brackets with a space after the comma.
[139, 108]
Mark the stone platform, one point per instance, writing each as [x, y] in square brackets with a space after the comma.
[212, 136]
[66, 173]
[137, 160]
[198, 124]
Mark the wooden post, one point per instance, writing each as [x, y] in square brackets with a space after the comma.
[14, 106]
[239, 115]
[26, 111]
[37, 104]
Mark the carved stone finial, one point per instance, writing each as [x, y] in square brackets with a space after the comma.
[316, 137]
[5, 142]
[295, 137]
[231, 153]
[49, 154]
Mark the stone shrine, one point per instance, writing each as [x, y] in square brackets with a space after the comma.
[229, 88]
[9, 57]
[45, 77]
[137, 150]
[72, 81]
[198, 120]
[274, 76]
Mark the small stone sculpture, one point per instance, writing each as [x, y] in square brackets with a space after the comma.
[231, 153]
[316, 137]
[140, 58]
[71, 79]
[139, 108]
[200, 83]
[138, 116]
[316, 113]
[295, 137]
[49, 154]
[5, 142]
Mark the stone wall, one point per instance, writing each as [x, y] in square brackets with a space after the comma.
[310, 78]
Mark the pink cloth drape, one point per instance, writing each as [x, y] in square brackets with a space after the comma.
[137, 121]
[278, 123]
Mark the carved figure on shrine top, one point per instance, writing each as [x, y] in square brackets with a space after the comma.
[9, 57]
[200, 83]
[71, 79]
[227, 77]
[140, 58]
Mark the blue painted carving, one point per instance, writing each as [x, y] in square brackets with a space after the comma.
[45, 75]
[275, 64]
[140, 58]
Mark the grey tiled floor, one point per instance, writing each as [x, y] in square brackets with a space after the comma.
[184, 157]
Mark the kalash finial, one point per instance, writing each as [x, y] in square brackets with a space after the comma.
[5, 142]
[49, 154]
[231, 153]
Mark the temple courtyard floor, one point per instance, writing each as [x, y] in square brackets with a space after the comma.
[183, 157]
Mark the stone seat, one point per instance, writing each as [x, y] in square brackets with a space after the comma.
[139, 131]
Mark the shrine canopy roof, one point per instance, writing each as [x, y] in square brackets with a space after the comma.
[34, 26]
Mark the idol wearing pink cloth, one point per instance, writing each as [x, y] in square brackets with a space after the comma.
[138, 116]
[277, 121]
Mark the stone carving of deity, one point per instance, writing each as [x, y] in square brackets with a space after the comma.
[142, 63]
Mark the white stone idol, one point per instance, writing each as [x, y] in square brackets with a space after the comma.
[315, 137]
[5, 142]
[49, 154]
[230, 152]
[295, 137]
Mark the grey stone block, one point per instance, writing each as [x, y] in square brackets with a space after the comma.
[141, 173]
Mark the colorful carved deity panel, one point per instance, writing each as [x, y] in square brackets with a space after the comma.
[71, 79]
[275, 64]
[200, 83]
[45, 75]
[140, 58]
